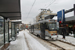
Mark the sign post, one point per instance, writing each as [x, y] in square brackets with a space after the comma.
[61, 16]
[74, 15]
[74, 9]
[61, 19]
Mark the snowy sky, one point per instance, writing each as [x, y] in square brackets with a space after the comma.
[55, 7]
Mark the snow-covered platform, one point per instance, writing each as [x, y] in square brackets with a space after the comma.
[19, 43]
[26, 42]
[68, 39]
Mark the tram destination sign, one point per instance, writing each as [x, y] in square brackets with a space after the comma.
[61, 16]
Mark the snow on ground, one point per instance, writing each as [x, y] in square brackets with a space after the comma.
[19, 43]
[67, 39]
[71, 34]
[33, 43]
[25, 41]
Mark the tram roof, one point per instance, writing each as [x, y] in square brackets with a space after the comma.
[10, 9]
[48, 20]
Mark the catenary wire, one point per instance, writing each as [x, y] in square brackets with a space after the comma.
[31, 8]
[50, 3]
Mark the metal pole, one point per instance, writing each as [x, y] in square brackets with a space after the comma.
[63, 21]
[8, 32]
[74, 24]
[11, 29]
[4, 30]
[14, 31]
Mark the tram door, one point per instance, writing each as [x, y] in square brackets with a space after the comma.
[32, 29]
[42, 28]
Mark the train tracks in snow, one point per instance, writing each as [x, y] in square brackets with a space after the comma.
[26, 42]
[55, 45]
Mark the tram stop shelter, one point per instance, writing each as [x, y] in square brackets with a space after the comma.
[15, 29]
[9, 10]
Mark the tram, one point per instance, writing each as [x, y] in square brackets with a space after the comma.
[45, 29]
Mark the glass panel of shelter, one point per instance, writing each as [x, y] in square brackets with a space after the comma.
[13, 31]
[10, 31]
[6, 31]
[9, 35]
[17, 28]
[1, 30]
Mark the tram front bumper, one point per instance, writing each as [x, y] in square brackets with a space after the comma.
[54, 37]
[47, 37]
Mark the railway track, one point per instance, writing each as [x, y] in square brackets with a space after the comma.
[63, 45]
[27, 42]
[61, 48]
[67, 42]
[60, 45]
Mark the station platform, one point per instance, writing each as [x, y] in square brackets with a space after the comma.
[69, 39]
[25, 41]
[19, 43]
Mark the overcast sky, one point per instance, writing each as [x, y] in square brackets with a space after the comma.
[56, 6]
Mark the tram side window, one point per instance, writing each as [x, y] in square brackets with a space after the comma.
[39, 26]
[32, 27]
[36, 26]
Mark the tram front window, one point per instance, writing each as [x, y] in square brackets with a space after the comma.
[52, 26]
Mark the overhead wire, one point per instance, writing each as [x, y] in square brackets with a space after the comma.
[33, 5]
[31, 8]
[50, 3]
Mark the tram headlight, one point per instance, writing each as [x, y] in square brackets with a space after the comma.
[51, 34]
[56, 34]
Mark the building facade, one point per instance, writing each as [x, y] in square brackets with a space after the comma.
[44, 13]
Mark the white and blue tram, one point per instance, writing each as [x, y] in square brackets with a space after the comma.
[45, 29]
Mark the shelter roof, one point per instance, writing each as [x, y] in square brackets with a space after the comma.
[10, 9]
[16, 22]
